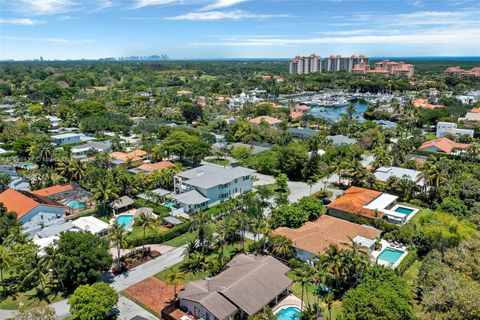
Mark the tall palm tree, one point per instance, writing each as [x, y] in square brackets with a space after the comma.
[304, 274]
[199, 223]
[116, 235]
[174, 278]
[333, 259]
[144, 221]
[473, 152]
[329, 299]
[104, 191]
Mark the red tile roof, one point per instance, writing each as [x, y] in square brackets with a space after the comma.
[267, 119]
[315, 237]
[353, 201]
[423, 103]
[295, 115]
[22, 202]
[150, 167]
[46, 192]
[444, 145]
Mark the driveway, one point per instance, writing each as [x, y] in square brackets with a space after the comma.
[121, 282]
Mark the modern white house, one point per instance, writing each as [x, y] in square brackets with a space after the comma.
[33, 212]
[447, 128]
[69, 138]
[81, 151]
[384, 173]
[210, 184]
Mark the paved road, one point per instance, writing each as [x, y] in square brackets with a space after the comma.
[122, 281]
[300, 189]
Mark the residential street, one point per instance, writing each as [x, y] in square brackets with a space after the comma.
[121, 282]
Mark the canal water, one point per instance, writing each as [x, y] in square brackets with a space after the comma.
[334, 113]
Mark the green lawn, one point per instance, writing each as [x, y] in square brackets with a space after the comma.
[308, 296]
[181, 239]
[212, 211]
[220, 162]
[137, 232]
[430, 136]
[27, 300]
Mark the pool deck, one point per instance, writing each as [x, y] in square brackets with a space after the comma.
[395, 214]
[289, 301]
[385, 244]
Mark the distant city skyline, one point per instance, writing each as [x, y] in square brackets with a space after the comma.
[237, 29]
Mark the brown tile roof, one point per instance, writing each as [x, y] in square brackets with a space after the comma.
[444, 145]
[150, 167]
[136, 155]
[267, 119]
[295, 115]
[353, 201]
[315, 237]
[22, 202]
[423, 103]
[153, 293]
[46, 192]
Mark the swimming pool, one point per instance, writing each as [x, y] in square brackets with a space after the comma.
[75, 205]
[27, 166]
[125, 220]
[404, 210]
[290, 313]
[168, 204]
[390, 255]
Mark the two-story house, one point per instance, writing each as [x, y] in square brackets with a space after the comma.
[33, 212]
[209, 185]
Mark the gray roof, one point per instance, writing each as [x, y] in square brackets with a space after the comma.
[302, 132]
[55, 230]
[340, 139]
[121, 202]
[383, 173]
[172, 220]
[208, 176]
[253, 148]
[249, 283]
[190, 197]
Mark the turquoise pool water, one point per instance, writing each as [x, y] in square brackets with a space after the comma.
[27, 166]
[75, 205]
[290, 313]
[403, 210]
[390, 255]
[125, 221]
[168, 204]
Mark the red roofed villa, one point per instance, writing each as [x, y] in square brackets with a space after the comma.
[370, 204]
[423, 103]
[270, 120]
[444, 145]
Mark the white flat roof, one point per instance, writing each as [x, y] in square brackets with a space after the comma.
[90, 224]
[381, 202]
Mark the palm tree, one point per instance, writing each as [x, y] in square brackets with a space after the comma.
[117, 235]
[304, 275]
[4, 181]
[194, 263]
[473, 152]
[6, 259]
[174, 278]
[37, 273]
[144, 221]
[104, 191]
[199, 223]
[329, 299]
[281, 246]
[333, 259]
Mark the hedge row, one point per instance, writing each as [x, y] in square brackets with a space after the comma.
[406, 262]
[162, 236]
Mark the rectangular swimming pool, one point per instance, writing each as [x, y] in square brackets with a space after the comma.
[390, 255]
[404, 210]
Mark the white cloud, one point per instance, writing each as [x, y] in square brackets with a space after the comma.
[21, 21]
[58, 41]
[223, 15]
[219, 4]
[445, 37]
[146, 3]
[41, 7]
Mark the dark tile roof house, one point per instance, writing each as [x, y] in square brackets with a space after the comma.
[249, 283]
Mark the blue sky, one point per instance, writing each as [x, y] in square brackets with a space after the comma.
[73, 29]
